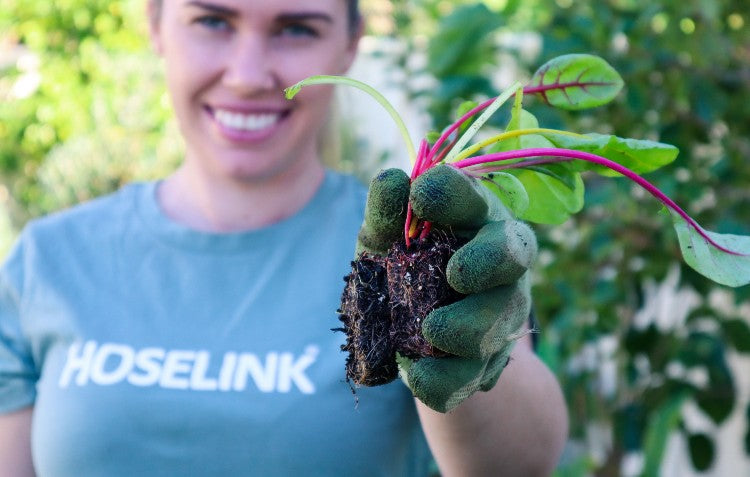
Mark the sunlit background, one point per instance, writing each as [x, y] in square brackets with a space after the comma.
[652, 357]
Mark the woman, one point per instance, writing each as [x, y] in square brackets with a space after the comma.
[182, 327]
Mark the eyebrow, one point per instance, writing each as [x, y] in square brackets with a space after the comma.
[213, 8]
[303, 16]
[283, 17]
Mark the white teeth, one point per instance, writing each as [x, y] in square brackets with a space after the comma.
[246, 122]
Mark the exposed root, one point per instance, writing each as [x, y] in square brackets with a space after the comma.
[385, 301]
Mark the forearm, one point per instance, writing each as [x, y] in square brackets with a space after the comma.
[517, 428]
[15, 444]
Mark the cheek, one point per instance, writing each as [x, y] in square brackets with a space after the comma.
[188, 71]
[320, 61]
[317, 99]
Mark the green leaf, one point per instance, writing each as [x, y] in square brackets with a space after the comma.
[577, 81]
[464, 108]
[710, 261]
[640, 156]
[509, 190]
[552, 201]
[456, 47]
[515, 123]
[629, 423]
[708, 351]
[561, 172]
[701, 451]
[432, 136]
[664, 420]
[718, 399]
[523, 120]
[737, 332]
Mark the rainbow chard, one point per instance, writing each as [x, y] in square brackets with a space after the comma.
[536, 172]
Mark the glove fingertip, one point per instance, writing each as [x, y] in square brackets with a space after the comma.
[447, 196]
[495, 368]
[385, 211]
[499, 254]
[444, 383]
[481, 324]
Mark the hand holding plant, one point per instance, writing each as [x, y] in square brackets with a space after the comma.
[536, 173]
[445, 353]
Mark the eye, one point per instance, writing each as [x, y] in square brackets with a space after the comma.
[298, 30]
[212, 22]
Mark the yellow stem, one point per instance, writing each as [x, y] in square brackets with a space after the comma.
[413, 228]
[508, 135]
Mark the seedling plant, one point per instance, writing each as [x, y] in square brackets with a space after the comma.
[536, 173]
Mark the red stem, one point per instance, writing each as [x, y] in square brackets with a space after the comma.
[407, 225]
[426, 228]
[585, 156]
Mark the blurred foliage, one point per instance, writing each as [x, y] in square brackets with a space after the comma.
[633, 334]
[83, 110]
[83, 103]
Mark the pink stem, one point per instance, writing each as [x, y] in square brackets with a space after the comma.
[585, 156]
[422, 154]
[518, 165]
[526, 90]
[443, 137]
[436, 158]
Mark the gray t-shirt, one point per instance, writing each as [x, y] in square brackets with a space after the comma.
[147, 348]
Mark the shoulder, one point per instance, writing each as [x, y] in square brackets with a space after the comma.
[71, 232]
[90, 218]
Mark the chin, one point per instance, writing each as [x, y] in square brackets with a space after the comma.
[253, 172]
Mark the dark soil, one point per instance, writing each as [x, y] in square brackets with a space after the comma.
[385, 301]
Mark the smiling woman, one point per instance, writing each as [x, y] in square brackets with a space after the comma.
[182, 326]
[226, 66]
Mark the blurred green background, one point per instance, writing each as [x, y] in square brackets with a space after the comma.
[647, 351]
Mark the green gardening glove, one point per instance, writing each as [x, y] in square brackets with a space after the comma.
[478, 331]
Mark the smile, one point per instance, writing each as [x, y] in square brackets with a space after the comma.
[246, 122]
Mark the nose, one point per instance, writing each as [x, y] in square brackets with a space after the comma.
[250, 69]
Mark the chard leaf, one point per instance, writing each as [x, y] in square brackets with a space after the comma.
[462, 109]
[576, 82]
[710, 261]
[432, 136]
[515, 123]
[509, 190]
[640, 156]
[553, 201]
[561, 172]
[522, 120]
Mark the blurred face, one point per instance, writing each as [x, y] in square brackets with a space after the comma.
[227, 63]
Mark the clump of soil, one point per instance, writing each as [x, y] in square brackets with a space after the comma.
[384, 302]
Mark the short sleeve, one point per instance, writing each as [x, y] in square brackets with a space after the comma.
[17, 371]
